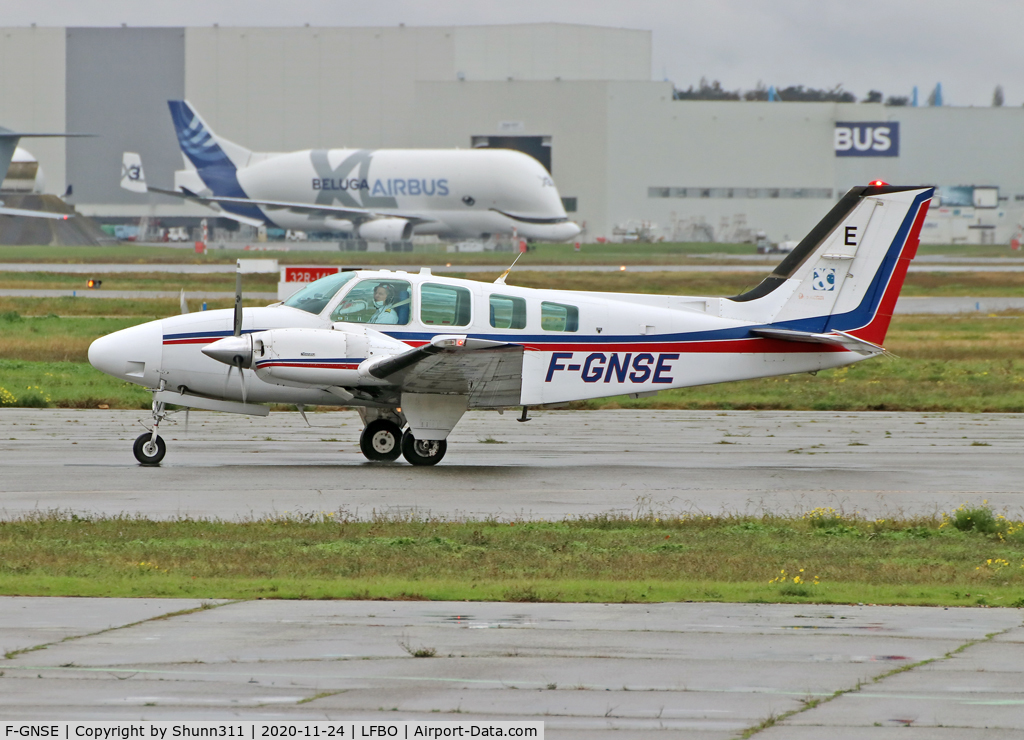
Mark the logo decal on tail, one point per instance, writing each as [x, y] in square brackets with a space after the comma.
[824, 278]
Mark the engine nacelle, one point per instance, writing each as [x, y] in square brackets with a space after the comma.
[320, 357]
[385, 230]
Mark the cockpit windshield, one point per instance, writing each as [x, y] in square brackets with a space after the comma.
[315, 296]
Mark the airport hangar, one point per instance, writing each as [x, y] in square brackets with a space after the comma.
[622, 151]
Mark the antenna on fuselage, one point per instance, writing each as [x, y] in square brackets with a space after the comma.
[501, 280]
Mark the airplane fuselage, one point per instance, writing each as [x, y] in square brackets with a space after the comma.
[577, 345]
[459, 193]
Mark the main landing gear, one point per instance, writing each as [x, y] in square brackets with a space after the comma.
[382, 440]
[423, 451]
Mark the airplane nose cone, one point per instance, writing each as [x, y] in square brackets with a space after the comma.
[132, 354]
[235, 351]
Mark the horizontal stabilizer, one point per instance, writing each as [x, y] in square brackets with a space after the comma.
[834, 338]
[210, 203]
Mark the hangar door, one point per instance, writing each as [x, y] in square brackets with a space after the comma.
[538, 147]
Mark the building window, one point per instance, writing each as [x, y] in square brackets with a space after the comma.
[674, 192]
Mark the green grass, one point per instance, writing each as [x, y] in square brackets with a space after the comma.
[66, 385]
[137, 281]
[839, 559]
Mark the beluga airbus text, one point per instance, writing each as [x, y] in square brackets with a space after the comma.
[413, 351]
[374, 194]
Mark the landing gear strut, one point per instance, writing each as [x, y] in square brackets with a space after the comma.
[149, 448]
[381, 440]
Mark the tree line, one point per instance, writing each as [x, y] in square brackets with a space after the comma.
[799, 94]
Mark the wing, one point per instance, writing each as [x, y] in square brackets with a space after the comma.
[490, 373]
[32, 214]
[355, 214]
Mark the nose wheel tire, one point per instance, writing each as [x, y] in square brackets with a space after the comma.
[381, 440]
[423, 451]
[149, 451]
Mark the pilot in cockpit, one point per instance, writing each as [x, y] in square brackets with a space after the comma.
[384, 303]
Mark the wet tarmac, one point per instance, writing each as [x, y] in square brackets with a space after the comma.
[559, 464]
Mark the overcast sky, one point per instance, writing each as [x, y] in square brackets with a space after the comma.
[888, 45]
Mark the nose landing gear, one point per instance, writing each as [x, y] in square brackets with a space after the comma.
[149, 447]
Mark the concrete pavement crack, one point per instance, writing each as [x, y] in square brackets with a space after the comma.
[11, 654]
[810, 704]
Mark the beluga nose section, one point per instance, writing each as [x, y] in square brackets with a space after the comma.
[236, 351]
[132, 354]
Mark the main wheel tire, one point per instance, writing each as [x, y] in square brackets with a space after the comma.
[381, 440]
[423, 451]
[149, 451]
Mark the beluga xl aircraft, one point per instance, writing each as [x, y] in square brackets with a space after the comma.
[413, 351]
[374, 194]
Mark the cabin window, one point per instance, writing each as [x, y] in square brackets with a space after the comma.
[375, 301]
[315, 296]
[507, 312]
[559, 317]
[444, 305]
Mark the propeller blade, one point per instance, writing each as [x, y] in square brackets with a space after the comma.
[238, 304]
[241, 378]
[181, 300]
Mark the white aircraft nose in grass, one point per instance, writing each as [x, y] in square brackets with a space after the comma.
[413, 351]
[375, 194]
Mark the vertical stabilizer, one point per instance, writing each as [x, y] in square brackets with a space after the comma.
[200, 145]
[846, 274]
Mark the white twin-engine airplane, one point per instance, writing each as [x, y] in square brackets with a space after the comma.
[379, 195]
[413, 351]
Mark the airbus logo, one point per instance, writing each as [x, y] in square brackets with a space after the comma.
[351, 178]
[867, 139]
